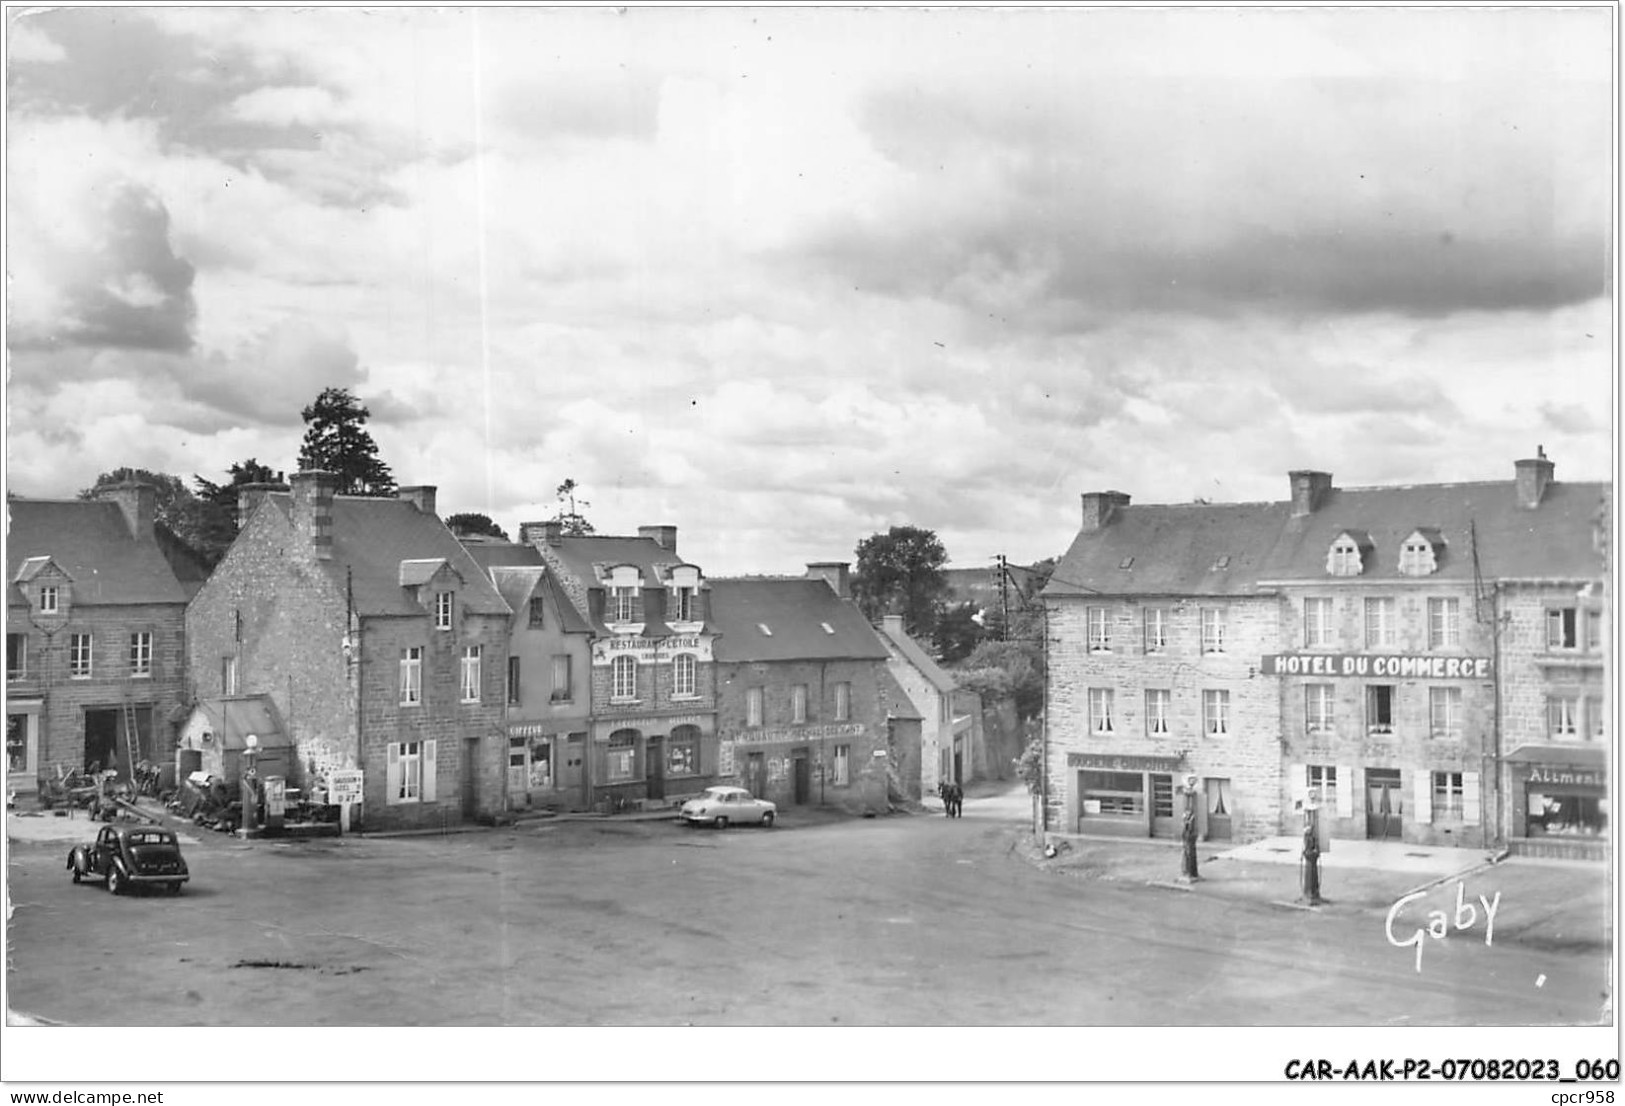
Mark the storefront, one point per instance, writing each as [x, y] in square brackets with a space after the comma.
[1126, 796]
[1560, 802]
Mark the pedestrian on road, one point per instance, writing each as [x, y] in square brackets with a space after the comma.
[956, 801]
[944, 790]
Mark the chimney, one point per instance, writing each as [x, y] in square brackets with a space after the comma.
[1099, 507]
[893, 624]
[313, 510]
[837, 574]
[249, 498]
[663, 536]
[1308, 489]
[533, 533]
[138, 502]
[420, 496]
[1534, 477]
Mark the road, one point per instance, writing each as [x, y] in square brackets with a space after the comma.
[905, 920]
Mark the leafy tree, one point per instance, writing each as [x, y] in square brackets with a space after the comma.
[220, 505]
[569, 512]
[175, 505]
[1007, 669]
[474, 523]
[959, 629]
[902, 568]
[336, 439]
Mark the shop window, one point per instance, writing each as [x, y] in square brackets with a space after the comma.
[1157, 700]
[541, 764]
[1156, 629]
[624, 683]
[1444, 708]
[1317, 707]
[1112, 793]
[1317, 623]
[1379, 708]
[1444, 623]
[1215, 712]
[17, 733]
[683, 751]
[1567, 812]
[1100, 710]
[843, 765]
[622, 756]
[1099, 630]
[1381, 632]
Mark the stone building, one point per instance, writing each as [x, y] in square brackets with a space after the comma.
[950, 717]
[1359, 645]
[803, 692]
[651, 722]
[377, 641]
[95, 619]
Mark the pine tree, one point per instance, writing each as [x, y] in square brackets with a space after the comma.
[336, 440]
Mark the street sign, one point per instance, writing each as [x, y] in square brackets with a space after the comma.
[344, 786]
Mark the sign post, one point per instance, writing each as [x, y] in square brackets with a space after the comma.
[344, 787]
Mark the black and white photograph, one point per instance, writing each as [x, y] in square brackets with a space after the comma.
[1044, 543]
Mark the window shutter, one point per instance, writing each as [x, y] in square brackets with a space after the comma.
[1345, 791]
[1423, 781]
[1298, 782]
[392, 774]
[1469, 797]
[428, 771]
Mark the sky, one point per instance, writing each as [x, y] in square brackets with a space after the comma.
[784, 278]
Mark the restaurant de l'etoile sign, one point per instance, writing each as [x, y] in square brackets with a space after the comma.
[1376, 666]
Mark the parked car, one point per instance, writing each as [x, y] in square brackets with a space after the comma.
[724, 806]
[129, 856]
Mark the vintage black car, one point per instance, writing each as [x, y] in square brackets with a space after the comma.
[129, 856]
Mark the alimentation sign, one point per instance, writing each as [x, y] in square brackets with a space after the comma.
[1401, 666]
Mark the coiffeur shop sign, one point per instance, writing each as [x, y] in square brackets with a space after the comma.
[1392, 666]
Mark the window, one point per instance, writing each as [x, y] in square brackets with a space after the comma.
[141, 653]
[409, 772]
[1323, 777]
[1596, 723]
[626, 604]
[843, 765]
[1317, 708]
[79, 656]
[843, 701]
[16, 656]
[1162, 796]
[1100, 710]
[563, 689]
[538, 613]
[1156, 629]
[470, 673]
[1563, 717]
[228, 675]
[1593, 620]
[411, 675]
[442, 610]
[622, 756]
[684, 682]
[1099, 633]
[683, 751]
[1216, 712]
[1444, 623]
[1156, 710]
[1379, 708]
[1447, 796]
[753, 706]
[1212, 629]
[625, 683]
[1563, 628]
[1444, 708]
[1344, 558]
[1112, 793]
[18, 760]
[1416, 557]
[682, 605]
[1380, 629]
[1317, 623]
[798, 703]
[513, 681]
[47, 599]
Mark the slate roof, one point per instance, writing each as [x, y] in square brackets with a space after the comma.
[518, 584]
[235, 717]
[372, 536]
[1177, 549]
[90, 540]
[491, 554]
[796, 610]
[579, 555]
[918, 657]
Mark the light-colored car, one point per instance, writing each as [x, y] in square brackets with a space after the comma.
[725, 806]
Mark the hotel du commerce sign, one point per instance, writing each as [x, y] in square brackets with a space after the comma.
[1390, 666]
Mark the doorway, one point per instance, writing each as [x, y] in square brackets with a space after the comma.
[801, 775]
[1384, 804]
[1218, 809]
[756, 775]
[471, 758]
[101, 740]
[654, 768]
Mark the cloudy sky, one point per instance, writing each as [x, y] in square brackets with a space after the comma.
[786, 277]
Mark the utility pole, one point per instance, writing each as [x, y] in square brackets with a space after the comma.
[1004, 599]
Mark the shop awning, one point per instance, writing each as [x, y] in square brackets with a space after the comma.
[1576, 756]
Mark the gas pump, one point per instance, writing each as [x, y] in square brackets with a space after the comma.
[1311, 848]
[1188, 872]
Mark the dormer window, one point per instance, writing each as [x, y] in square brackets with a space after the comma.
[1347, 556]
[626, 604]
[442, 610]
[682, 604]
[828, 629]
[683, 594]
[47, 599]
[1419, 553]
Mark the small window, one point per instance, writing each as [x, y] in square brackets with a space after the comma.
[80, 664]
[442, 610]
[513, 681]
[469, 671]
[762, 626]
[538, 612]
[1099, 630]
[141, 653]
[228, 675]
[411, 676]
[1100, 710]
[1379, 708]
[828, 629]
[48, 599]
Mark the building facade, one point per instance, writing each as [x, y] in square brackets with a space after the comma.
[95, 621]
[950, 718]
[377, 640]
[803, 692]
[1414, 659]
